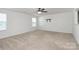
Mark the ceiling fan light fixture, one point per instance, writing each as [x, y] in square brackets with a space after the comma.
[39, 12]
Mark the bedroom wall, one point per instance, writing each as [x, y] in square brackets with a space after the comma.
[76, 26]
[61, 22]
[17, 23]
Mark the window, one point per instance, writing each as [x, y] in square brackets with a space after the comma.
[34, 22]
[3, 21]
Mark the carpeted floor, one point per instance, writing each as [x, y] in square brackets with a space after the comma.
[39, 40]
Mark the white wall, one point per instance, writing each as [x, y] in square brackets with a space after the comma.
[17, 23]
[76, 26]
[62, 22]
[76, 32]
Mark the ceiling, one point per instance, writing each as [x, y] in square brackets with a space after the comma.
[33, 11]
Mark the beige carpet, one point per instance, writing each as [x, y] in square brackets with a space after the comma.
[39, 40]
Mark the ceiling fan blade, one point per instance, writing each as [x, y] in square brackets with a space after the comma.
[44, 11]
[43, 8]
[39, 9]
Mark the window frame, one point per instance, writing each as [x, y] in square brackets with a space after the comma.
[6, 25]
[34, 22]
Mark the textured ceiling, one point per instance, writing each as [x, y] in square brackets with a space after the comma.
[33, 11]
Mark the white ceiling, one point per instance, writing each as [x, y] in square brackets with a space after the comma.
[33, 11]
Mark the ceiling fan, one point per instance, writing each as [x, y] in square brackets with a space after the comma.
[41, 10]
